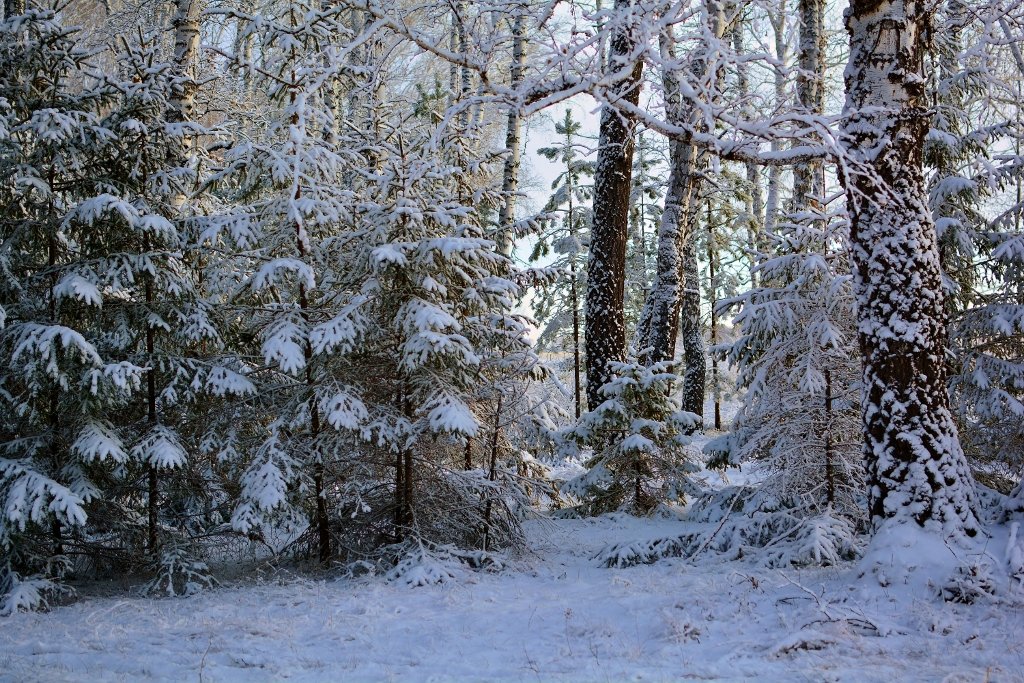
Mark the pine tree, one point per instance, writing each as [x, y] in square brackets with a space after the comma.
[638, 436]
[59, 381]
[559, 305]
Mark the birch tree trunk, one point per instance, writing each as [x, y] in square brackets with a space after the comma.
[186, 56]
[606, 268]
[916, 468]
[513, 138]
[771, 208]
[667, 300]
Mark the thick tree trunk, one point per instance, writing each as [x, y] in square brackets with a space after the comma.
[513, 138]
[656, 335]
[606, 268]
[916, 468]
[660, 320]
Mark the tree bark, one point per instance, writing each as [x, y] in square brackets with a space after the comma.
[808, 184]
[695, 363]
[771, 208]
[186, 56]
[513, 138]
[606, 268]
[660, 320]
[916, 468]
[13, 8]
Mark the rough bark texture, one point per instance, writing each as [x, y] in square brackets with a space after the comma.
[916, 468]
[667, 301]
[13, 8]
[808, 184]
[513, 138]
[660, 317]
[695, 362]
[606, 268]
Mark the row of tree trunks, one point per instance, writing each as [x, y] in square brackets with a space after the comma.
[674, 301]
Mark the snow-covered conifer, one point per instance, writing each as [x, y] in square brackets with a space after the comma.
[638, 437]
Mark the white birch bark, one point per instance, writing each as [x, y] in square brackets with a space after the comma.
[513, 137]
[772, 202]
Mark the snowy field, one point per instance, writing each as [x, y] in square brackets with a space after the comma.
[552, 615]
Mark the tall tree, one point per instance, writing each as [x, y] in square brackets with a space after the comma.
[808, 182]
[513, 135]
[915, 466]
[606, 269]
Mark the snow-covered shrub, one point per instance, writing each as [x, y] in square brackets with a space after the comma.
[420, 564]
[178, 574]
[969, 583]
[639, 437]
[800, 419]
[29, 594]
[737, 522]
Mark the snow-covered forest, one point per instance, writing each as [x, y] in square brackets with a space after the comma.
[539, 339]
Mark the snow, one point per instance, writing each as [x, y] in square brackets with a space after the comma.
[553, 614]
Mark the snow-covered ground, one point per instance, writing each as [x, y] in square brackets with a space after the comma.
[552, 615]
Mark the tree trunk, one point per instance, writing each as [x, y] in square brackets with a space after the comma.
[695, 364]
[661, 316]
[513, 139]
[713, 301]
[656, 333]
[186, 56]
[13, 8]
[808, 184]
[771, 208]
[606, 268]
[915, 466]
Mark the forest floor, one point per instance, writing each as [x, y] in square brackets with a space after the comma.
[552, 614]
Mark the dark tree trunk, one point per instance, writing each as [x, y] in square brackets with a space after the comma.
[606, 269]
[13, 8]
[695, 364]
[916, 468]
[808, 183]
